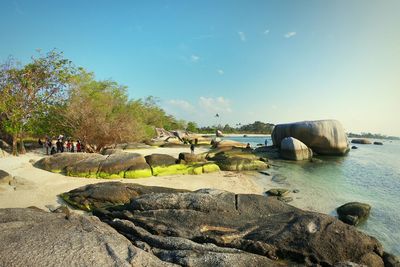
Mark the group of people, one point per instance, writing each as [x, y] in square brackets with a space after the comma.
[61, 145]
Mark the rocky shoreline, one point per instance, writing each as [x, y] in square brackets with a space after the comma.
[156, 226]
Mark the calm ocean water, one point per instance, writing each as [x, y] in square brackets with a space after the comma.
[369, 174]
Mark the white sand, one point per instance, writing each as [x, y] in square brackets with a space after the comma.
[36, 187]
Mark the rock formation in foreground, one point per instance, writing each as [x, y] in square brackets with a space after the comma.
[218, 228]
[325, 137]
[33, 237]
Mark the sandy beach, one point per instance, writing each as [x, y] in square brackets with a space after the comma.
[36, 187]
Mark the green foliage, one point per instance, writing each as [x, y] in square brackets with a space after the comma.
[192, 127]
[28, 92]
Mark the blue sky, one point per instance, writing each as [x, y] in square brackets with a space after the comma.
[274, 61]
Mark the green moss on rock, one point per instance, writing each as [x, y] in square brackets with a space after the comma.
[210, 167]
[66, 198]
[132, 174]
[172, 170]
[105, 175]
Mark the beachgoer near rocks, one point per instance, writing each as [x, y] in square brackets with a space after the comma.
[266, 142]
[59, 146]
[69, 146]
[78, 146]
[191, 148]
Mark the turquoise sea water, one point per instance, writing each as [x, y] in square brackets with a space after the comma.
[369, 174]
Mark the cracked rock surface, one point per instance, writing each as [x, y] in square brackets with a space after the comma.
[218, 228]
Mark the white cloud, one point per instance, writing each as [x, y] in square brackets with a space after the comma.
[290, 34]
[215, 105]
[194, 58]
[242, 36]
[266, 32]
[220, 72]
[181, 104]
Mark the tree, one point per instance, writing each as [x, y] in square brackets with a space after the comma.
[192, 127]
[98, 113]
[28, 92]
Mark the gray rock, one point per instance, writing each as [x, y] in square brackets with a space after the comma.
[58, 162]
[115, 165]
[325, 137]
[294, 149]
[378, 143]
[155, 160]
[353, 212]
[362, 141]
[179, 227]
[32, 237]
[277, 192]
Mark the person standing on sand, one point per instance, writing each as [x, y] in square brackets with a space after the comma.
[191, 148]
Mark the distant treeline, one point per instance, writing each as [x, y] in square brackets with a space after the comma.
[257, 127]
[372, 136]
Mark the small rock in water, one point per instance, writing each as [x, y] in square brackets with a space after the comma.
[378, 143]
[278, 178]
[277, 192]
[265, 173]
[296, 191]
[285, 199]
[353, 212]
[354, 147]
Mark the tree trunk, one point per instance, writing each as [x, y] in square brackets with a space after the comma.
[22, 145]
[14, 145]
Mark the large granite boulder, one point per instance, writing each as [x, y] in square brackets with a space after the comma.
[294, 149]
[237, 159]
[353, 212]
[362, 141]
[118, 164]
[155, 160]
[32, 237]
[325, 137]
[88, 167]
[191, 157]
[228, 143]
[180, 227]
[58, 162]
[102, 195]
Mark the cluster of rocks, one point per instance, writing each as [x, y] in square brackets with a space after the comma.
[300, 140]
[209, 228]
[364, 141]
[117, 164]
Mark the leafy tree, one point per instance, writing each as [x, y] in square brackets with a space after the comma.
[27, 92]
[192, 127]
[98, 113]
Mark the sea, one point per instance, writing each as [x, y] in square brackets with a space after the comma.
[368, 174]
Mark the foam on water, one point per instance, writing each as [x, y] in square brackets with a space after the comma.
[369, 174]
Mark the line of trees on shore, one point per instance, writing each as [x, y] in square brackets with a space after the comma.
[257, 127]
[50, 96]
[372, 136]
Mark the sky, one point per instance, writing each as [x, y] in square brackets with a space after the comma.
[273, 61]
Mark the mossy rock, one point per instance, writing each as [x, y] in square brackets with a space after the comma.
[155, 160]
[172, 169]
[80, 205]
[116, 165]
[133, 174]
[210, 167]
[279, 192]
[241, 164]
[58, 162]
[87, 167]
[192, 158]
